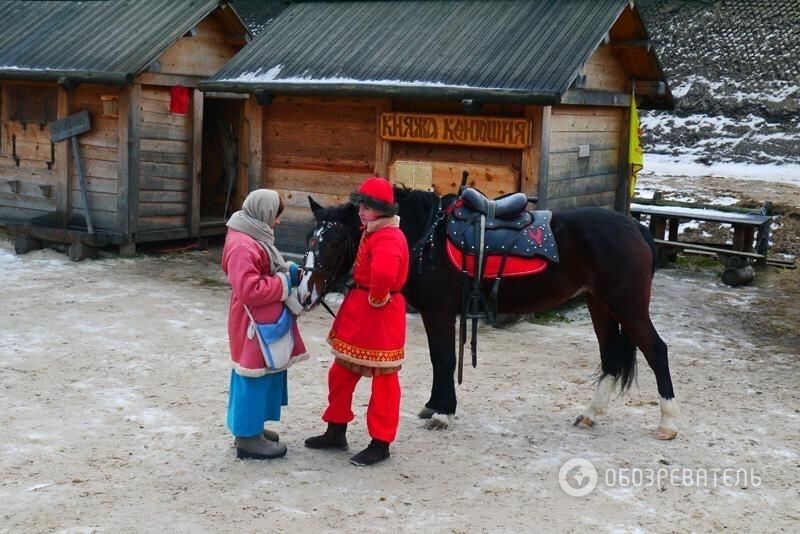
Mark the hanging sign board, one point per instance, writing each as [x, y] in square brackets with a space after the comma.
[500, 132]
[69, 126]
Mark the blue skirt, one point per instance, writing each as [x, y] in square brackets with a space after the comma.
[254, 401]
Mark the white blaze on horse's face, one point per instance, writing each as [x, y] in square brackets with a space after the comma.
[307, 292]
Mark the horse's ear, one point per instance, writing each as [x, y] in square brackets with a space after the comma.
[315, 207]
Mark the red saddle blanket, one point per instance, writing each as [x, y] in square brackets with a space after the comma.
[515, 265]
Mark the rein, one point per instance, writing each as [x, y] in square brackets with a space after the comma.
[427, 240]
[317, 268]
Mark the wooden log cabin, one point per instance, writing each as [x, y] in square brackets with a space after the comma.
[530, 95]
[154, 158]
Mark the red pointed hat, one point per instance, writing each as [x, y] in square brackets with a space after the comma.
[376, 193]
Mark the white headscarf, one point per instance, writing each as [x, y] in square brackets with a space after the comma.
[257, 219]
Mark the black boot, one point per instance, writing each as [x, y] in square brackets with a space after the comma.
[333, 438]
[376, 451]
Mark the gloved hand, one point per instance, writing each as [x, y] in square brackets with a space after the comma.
[294, 274]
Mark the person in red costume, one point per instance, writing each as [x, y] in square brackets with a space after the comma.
[369, 333]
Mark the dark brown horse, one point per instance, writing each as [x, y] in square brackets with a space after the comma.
[604, 255]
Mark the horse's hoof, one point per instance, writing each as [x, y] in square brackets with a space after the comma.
[438, 421]
[666, 434]
[426, 413]
[583, 422]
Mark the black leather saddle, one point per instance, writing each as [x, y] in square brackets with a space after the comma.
[508, 228]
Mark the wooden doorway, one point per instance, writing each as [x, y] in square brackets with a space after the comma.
[218, 178]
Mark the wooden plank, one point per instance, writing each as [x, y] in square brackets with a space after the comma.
[165, 132]
[100, 153]
[493, 181]
[622, 202]
[97, 201]
[314, 182]
[708, 248]
[134, 151]
[585, 97]
[193, 209]
[567, 165]
[500, 132]
[168, 80]
[123, 167]
[97, 168]
[566, 140]
[170, 119]
[585, 185]
[163, 196]
[314, 163]
[62, 165]
[587, 123]
[602, 200]
[544, 159]
[258, 145]
[100, 185]
[163, 146]
[529, 170]
[165, 157]
[10, 200]
[383, 148]
[165, 170]
[147, 224]
[153, 183]
[149, 209]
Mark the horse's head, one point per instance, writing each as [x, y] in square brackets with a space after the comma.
[330, 251]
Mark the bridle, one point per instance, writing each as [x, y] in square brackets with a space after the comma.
[313, 248]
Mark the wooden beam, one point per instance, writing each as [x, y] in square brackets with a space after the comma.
[123, 163]
[155, 78]
[647, 88]
[383, 148]
[134, 150]
[621, 199]
[532, 155]
[544, 156]
[63, 165]
[255, 157]
[584, 97]
[193, 209]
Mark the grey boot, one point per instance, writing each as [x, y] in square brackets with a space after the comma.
[259, 448]
[333, 438]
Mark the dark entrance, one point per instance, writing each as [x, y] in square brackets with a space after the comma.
[218, 180]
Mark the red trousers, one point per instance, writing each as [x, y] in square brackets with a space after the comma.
[383, 412]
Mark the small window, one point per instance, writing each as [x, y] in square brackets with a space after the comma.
[32, 104]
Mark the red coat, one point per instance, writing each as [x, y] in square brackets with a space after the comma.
[247, 265]
[370, 327]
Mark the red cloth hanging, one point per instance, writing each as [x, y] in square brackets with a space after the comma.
[179, 100]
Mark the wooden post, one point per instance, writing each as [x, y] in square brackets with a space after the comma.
[134, 149]
[63, 164]
[123, 165]
[622, 201]
[531, 156]
[197, 163]
[76, 153]
[383, 148]
[255, 173]
[544, 156]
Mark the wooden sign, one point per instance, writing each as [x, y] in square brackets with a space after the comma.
[69, 126]
[500, 132]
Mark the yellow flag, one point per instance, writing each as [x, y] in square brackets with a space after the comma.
[635, 152]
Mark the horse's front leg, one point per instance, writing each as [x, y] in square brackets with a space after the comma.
[441, 407]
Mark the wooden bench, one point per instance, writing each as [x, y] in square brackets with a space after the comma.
[750, 230]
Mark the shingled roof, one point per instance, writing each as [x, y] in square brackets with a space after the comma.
[109, 41]
[526, 51]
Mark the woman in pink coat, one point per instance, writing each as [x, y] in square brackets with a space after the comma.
[264, 282]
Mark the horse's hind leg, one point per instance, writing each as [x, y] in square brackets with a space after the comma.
[655, 351]
[639, 328]
[617, 357]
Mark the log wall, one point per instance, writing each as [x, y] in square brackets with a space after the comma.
[21, 196]
[164, 163]
[590, 180]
